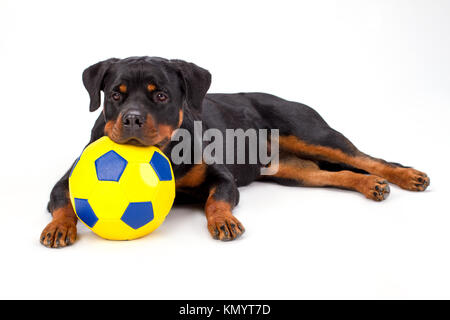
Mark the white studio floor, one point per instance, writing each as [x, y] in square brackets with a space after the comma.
[378, 73]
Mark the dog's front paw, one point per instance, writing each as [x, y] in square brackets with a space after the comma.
[59, 233]
[225, 227]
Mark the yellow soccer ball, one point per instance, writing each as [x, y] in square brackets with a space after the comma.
[121, 192]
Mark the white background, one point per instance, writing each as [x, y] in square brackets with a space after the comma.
[378, 71]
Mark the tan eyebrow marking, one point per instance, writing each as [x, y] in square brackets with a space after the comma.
[123, 88]
[151, 87]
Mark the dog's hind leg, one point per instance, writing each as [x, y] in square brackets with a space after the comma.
[305, 133]
[333, 147]
[295, 171]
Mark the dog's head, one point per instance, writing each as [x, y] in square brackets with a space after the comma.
[145, 98]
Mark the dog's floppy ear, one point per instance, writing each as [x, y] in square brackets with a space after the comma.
[93, 81]
[196, 82]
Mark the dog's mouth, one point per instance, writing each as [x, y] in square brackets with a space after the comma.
[137, 141]
[134, 141]
[146, 136]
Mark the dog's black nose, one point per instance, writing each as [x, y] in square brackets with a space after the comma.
[133, 119]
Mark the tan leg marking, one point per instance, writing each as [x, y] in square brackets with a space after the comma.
[406, 178]
[373, 187]
[193, 178]
[222, 225]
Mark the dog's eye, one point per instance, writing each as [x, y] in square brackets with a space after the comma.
[161, 97]
[116, 96]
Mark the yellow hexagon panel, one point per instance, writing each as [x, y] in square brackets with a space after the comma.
[98, 148]
[108, 201]
[164, 198]
[143, 180]
[82, 179]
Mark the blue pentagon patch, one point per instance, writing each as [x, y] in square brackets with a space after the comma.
[138, 214]
[85, 212]
[110, 166]
[161, 167]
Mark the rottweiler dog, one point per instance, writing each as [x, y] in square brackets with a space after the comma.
[146, 99]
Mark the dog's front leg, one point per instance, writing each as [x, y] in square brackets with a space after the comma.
[62, 230]
[223, 197]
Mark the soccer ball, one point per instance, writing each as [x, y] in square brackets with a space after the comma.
[121, 192]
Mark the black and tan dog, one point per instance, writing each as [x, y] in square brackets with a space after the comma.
[148, 98]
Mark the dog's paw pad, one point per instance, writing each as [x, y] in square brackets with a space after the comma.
[377, 189]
